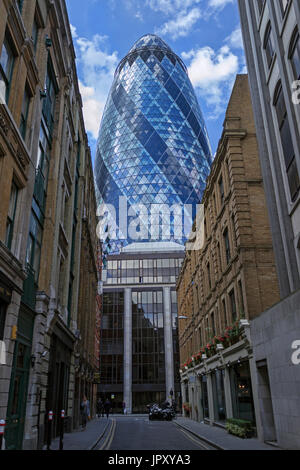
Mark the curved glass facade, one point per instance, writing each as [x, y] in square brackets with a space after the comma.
[153, 147]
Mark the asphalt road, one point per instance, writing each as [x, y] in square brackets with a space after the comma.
[138, 433]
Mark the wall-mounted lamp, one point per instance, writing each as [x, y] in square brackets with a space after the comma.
[43, 94]
[48, 42]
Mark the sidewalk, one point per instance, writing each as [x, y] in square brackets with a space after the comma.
[219, 438]
[83, 440]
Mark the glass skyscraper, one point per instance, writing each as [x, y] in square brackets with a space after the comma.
[153, 151]
[153, 147]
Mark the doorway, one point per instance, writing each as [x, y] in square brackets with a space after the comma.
[266, 405]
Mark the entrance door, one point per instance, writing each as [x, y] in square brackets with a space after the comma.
[16, 410]
[205, 398]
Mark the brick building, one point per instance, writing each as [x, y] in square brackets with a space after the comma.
[46, 215]
[230, 280]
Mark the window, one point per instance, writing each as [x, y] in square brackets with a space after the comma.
[6, 68]
[241, 297]
[11, 215]
[221, 189]
[233, 305]
[268, 45]
[208, 275]
[227, 246]
[224, 311]
[42, 171]
[49, 101]
[219, 257]
[213, 324]
[283, 5]
[35, 34]
[3, 308]
[33, 253]
[24, 112]
[286, 141]
[215, 205]
[233, 230]
[20, 5]
[295, 54]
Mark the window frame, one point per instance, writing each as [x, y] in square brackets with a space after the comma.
[282, 122]
[7, 78]
[268, 45]
[11, 218]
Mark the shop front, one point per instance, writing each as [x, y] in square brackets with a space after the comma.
[58, 381]
[224, 385]
[16, 410]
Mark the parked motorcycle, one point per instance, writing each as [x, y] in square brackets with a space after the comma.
[165, 412]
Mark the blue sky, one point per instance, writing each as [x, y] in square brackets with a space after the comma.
[204, 33]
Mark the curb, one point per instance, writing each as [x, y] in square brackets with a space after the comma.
[204, 439]
[99, 438]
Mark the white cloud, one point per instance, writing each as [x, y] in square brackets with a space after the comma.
[181, 25]
[219, 4]
[212, 74]
[73, 31]
[171, 6]
[97, 67]
[235, 39]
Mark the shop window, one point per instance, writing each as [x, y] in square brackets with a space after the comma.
[241, 391]
[218, 379]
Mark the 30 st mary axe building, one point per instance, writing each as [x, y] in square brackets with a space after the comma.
[153, 159]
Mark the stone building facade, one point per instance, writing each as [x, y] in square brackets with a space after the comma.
[271, 32]
[47, 207]
[227, 283]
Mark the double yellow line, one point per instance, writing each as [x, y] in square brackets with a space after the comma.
[110, 435]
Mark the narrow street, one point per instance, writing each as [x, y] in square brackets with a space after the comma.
[138, 433]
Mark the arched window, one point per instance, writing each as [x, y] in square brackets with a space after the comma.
[286, 141]
[294, 53]
[268, 45]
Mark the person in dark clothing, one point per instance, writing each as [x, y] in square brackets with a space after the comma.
[107, 407]
[85, 412]
[100, 408]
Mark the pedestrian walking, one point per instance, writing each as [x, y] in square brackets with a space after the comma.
[100, 408]
[107, 407]
[124, 408]
[85, 412]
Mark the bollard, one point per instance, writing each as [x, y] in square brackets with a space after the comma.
[2, 429]
[61, 438]
[50, 419]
